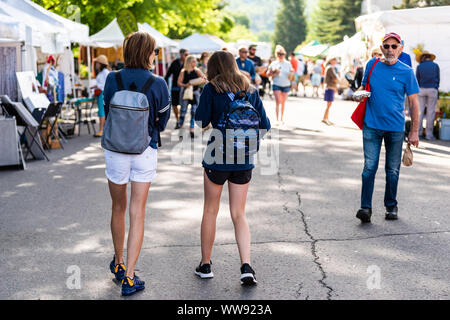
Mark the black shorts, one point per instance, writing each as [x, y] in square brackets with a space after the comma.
[175, 95]
[236, 177]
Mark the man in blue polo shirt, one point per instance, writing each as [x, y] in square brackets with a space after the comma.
[245, 64]
[390, 81]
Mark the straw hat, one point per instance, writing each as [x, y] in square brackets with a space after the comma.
[425, 52]
[102, 59]
[376, 50]
[329, 58]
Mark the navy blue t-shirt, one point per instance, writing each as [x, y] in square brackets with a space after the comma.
[210, 110]
[405, 58]
[388, 85]
[157, 96]
[428, 74]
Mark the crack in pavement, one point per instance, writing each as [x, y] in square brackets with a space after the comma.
[314, 249]
[299, 241]
[313, 241]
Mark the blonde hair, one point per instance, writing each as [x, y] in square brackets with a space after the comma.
[187, 63]
[224, 74]
[279, 48]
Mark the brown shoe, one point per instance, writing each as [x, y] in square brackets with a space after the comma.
[98, 134]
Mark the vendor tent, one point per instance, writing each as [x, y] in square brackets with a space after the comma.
[76, 32]
[10, 28]
[112, 36]
[47, 34]
[429, 27]
[198, 43]
[161, 40]
[41, 28]
[313, 49]
[349, 50]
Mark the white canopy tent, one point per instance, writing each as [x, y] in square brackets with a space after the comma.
[50, 37]
[41, 28]
[75, 32]
[112, 36]
[429, 27]
[349, 50]
[313, 49]
[198, 43]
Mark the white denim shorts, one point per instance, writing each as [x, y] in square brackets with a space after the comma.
[123, 168]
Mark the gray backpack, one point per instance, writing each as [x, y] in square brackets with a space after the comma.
[127, 125]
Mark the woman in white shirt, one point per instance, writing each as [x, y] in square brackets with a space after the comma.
[102, 67]
[280, 70]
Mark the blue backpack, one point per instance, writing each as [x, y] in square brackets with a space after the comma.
[244, 122]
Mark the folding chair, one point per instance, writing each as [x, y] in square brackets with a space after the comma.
[45, 123]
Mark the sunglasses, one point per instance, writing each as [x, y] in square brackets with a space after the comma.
[393, 46]
[281, 54]
[157, 51]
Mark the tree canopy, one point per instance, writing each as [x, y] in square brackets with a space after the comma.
[176, 18]
[290, 24]
[333, 19]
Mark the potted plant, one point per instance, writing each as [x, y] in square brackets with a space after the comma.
[444, 107]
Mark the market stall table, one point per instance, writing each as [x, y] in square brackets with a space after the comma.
[83, 112]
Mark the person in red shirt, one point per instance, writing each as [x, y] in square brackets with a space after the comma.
[294, 81]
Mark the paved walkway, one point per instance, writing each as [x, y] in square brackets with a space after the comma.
[307, 243]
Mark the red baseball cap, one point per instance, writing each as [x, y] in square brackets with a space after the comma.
[50, 58]
[392, 35]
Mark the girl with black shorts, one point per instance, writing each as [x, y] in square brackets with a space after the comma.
[225, 78]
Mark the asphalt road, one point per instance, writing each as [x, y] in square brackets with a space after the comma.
[306, 241]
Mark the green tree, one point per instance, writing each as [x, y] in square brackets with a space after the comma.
[264, 36]
[176, 18]
[407, 4]
[333, 19]
[290, 24]
[241, 18]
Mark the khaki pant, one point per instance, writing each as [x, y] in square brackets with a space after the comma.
[427, 98]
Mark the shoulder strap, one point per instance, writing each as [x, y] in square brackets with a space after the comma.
[119, 81]
[144, 90]
[370, 73]
[148, 84]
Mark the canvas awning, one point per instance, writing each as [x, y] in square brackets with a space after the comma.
[112, 36]
[198, 43]
[314, 49]
[427, 27]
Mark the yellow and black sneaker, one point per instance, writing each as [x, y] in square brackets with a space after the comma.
[131, 286]
[117, 269]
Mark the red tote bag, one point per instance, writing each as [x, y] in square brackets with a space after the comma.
[360, 111]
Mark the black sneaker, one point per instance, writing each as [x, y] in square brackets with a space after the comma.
[391, 213]
[204, 271]
[364, 214]
[131, 286]
[247, 275]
